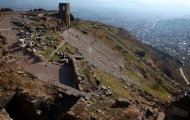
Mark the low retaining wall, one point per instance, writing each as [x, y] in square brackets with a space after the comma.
[3, 101]
[76, 73]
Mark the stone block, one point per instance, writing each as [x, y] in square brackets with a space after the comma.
[82, 94]
[70, 91]
[55, 84]
[45, 100]
[88, 96]
[60, 90]
[161, 116]
[35, 103]
[76, 93]
[64, 87]
[40, 99]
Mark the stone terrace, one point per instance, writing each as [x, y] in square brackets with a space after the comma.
[96, 53]
[99, 47]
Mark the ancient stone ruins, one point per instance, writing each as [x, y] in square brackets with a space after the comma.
[64, 13]
[55, 69]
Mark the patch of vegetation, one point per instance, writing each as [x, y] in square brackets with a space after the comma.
[87, 73]
[165, 55]
[55, 57]
[82, 64]
[72, 18]
[179, 62]
[66, 47]
[86, 27]
[9, 83]
[145, 58]
[155, 89]
[127, 45]
[116, 87]
[113, 29]
[46, 53]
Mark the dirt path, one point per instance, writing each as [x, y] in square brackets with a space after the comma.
[44, 70]
[185, 79]
[6, 29]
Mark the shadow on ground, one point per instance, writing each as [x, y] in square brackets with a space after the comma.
[66, 76]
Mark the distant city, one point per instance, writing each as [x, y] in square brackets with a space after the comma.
[166, 33]
[171, 35]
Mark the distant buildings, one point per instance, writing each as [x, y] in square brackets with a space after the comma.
[6, 9]
[40, 9]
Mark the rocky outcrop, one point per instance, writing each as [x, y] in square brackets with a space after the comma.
[4, 101]
[77, 75]
[41, 107]
[179, 106]
[30, 106]
[4, 115]
[122, 102]
[105, 90]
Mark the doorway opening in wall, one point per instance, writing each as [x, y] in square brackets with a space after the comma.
[63, 8]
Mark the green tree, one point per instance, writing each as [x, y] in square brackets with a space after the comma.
[72, 17]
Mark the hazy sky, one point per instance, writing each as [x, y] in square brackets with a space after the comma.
[166, 2]
[80, 2]
[170, 7]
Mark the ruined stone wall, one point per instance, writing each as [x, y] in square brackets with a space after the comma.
[97, 54]
[4, 101]
[28, 107]
[75, 71]
[64, 13]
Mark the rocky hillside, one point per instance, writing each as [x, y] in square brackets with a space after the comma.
[123, 42]
[144, 63]
[115, 76]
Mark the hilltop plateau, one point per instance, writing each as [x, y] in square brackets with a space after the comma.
[87, 71]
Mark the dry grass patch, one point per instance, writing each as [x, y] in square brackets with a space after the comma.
[10, 82]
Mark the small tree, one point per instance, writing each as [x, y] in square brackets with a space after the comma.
[72, 17]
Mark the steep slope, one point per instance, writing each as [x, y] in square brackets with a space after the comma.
[118, 39]
[160, 60]
[114, 73]
[152, 70]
